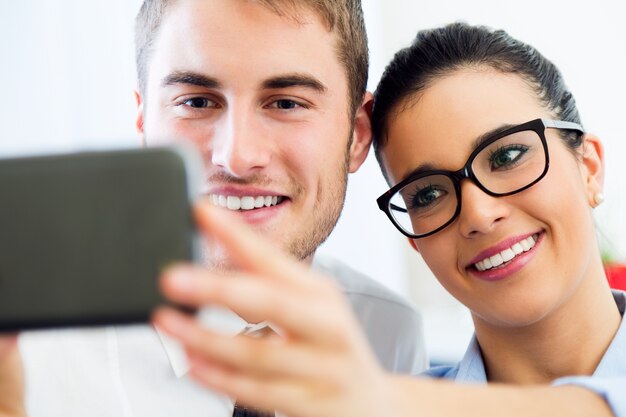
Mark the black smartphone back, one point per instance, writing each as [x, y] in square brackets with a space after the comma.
[83, 237]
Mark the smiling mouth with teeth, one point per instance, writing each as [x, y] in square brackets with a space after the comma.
[502, 258]
[235, 203]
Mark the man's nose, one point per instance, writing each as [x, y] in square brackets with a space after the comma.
[240, 146]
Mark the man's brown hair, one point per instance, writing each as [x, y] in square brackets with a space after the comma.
[344, 17]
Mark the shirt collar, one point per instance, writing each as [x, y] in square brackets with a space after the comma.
[613, 362]
[217, 319]
[472, 368]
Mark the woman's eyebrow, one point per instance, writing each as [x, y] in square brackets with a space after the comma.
[422, 168]
[429, 166]
[488, 135]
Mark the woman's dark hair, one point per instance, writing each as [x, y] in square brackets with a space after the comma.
[438, 52]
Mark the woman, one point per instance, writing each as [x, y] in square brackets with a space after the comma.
[493, 182]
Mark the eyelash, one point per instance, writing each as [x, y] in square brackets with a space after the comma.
[185, 104]
[210, 103]
[298, 104]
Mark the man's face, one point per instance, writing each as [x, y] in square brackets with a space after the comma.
[265, 100]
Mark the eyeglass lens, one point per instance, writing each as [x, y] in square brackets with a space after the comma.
[504, 166]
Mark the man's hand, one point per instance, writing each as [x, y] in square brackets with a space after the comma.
[11, 379]
[320, 366]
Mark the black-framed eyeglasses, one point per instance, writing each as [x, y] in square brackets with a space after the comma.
[504, 163]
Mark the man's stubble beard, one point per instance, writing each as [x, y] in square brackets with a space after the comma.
[326, 212]
[304, 247]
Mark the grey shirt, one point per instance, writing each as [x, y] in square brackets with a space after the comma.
[392, 325]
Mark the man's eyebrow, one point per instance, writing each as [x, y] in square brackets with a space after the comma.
[294, 80]
[190, 78]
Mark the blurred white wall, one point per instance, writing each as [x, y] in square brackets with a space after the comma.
[67, 76]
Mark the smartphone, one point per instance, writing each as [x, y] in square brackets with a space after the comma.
[83, 237]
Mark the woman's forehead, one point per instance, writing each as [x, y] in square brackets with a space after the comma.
[440, 125]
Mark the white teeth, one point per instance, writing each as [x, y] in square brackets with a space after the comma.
[507, 254]
[247, 203]
[235, 203]
[496, 260]
[487, 264]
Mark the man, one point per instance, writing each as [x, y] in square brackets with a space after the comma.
[272, 93]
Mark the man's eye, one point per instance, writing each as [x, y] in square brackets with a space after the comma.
[199, 102]
[285, 104]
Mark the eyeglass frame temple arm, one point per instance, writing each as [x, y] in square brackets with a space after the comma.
[559, 124]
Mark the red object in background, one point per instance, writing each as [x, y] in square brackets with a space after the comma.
[616, 274]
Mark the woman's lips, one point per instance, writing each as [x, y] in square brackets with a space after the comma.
[508, 261]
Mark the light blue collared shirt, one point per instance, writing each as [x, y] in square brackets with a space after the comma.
[608, 380]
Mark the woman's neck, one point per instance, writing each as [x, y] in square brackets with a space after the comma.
[569, 341]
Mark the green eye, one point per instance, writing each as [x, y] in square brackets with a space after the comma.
[507, 157]
[426, 197]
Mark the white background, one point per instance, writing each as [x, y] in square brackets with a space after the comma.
[67, 75]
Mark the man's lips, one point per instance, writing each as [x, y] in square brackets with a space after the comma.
[244, 198]
[245, 202]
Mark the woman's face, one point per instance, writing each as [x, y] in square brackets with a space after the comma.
[438, 128]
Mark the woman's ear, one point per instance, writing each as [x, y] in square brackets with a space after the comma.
[592, 169]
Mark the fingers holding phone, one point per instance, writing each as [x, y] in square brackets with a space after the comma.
[11, 378]
[320, 363]
[8, 343]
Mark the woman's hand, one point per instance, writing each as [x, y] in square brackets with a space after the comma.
[11, 378]
[320, 366]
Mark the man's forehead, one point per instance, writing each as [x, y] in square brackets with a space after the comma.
[216, 17]
[241, 45]
[298, 12]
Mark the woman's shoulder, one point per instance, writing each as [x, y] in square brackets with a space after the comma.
[442, 372]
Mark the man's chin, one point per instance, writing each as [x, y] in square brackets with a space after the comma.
[216, 258]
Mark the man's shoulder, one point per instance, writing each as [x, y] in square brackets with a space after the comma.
[390, 322]
[356, 284]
